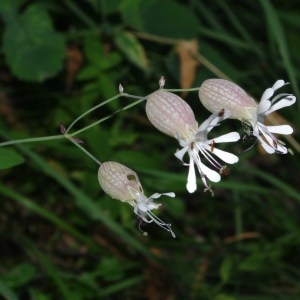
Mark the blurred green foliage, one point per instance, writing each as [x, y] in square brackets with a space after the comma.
[61, 237]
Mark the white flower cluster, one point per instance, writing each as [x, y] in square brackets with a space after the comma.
[171, 115]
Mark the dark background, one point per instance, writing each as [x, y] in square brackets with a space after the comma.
[61, 237]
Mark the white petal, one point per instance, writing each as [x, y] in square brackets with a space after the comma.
[209, 173]
[271, 144]
[226, 156]
[226, 114]
[265, 132]
[180, 153]
[204, 125]
[278, 84]
[157, 195]
[171, 194]
[282, 149]
[191, 185]
[268, 93]
[228, 137]
[263, 106]
[143, 206]
[151, 205]
[281, 129]
[287, 101]
[266, 146]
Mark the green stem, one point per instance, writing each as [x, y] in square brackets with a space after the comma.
[83, 149]
[91, 110]
[81, 15]
[31, 140]
[108, 117]
[66, 135]
[99, 105]
[182, 90]
[133, 96]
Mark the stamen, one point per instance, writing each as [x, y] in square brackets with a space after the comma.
[209, 157]
[212, 146]
[160, 223]
[208, 188]
[221, 112]
[142, 223]
[249, 137]
[269, 137]
[224, 171]
[203, 178]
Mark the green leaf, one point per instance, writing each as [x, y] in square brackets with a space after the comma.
[225, 269]
[97, 57]
[94, 51]
[20, 275]
[109, 268]
[253, 262]
[175, 206]
[107, 85]
[132, 49]
[224, 297]
[8, 10]
[164, 18]
[37, 295]
[88, 73]
[33, 50]
[106, 7]
[9, 158]
[7, 293]
[279, 36]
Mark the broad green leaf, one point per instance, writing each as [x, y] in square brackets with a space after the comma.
[9, 158]
[33, 50]
[132, 49]
[164, 18]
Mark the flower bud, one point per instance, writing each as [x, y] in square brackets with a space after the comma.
[171, 115]
[118, 181]
[218, 94]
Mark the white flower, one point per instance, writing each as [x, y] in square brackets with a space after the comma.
[143, 207]
[173, 116]
[123, 184]
[199, 146]
[266, 106]
[217, 94]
